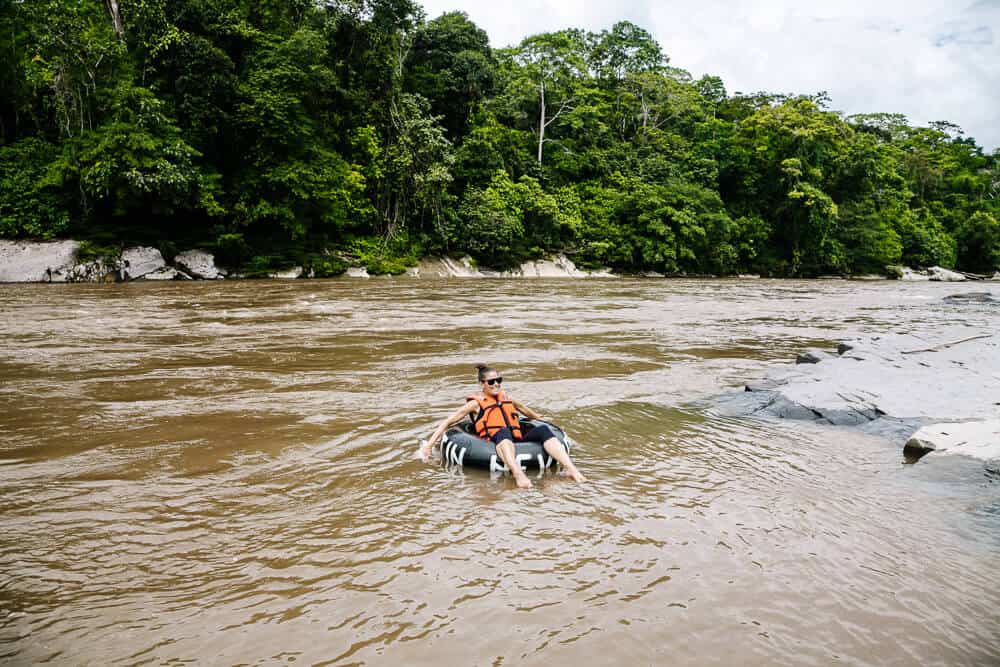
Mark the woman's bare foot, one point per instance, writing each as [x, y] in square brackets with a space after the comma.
[522, 481]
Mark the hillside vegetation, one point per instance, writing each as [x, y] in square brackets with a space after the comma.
[322, 134]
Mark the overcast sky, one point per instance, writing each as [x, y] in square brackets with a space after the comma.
[927, 59]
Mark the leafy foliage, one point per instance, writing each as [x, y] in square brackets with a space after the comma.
[978, 240]
[317, 134]
[29, 207]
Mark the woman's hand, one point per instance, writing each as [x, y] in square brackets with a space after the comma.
[424, 451]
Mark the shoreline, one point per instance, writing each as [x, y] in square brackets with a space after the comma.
[60, 262]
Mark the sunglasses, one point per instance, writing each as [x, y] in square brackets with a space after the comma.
[496, 380]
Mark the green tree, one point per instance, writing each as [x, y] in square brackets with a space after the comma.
[788, 153]
[294, 182]
[490, 225]
[925, 241]
[29, 205]
[450, 63]
[413, 171]
[624, 50]
[541, 72]
[978, 243]
[678, 227]
[304, 132]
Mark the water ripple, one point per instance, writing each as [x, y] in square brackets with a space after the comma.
[224, 473]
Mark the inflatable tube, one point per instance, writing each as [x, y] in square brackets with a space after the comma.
[460, 446]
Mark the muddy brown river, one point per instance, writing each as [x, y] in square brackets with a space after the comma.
[224, 473]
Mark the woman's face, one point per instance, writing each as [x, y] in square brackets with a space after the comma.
[491, 383]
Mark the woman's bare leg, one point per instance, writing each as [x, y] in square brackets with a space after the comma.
[505, 448]
[556, 450]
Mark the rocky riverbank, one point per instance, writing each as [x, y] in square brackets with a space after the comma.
[64, 261]
[940, 396]
[70, 261]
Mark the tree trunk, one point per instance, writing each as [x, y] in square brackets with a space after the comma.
[541, 121]
[116, 18]
[935, 348]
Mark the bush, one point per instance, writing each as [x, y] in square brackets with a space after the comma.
[90, 251]
[230, 249]
[925, 242]
[259, 266]
[978, 241]
[322, 266]
[490, 226]
[28, 206]
[383, 257]
[869, 240]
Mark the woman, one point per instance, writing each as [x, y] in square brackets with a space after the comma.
[495, 414]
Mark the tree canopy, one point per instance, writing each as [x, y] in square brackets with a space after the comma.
[320, 133]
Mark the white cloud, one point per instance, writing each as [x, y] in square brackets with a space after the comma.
[927, 59]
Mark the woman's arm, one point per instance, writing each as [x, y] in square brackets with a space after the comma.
[459, 415]
[526, 411]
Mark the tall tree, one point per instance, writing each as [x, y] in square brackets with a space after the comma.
[548, 66]
[450, 62]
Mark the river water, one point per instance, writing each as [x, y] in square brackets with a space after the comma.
[223, 473]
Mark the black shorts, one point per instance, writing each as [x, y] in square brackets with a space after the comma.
[539, 433]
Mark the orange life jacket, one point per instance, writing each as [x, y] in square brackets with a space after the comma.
[495, 414]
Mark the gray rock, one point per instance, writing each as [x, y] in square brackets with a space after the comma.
[917, 447]
[908, 274]
[927, 386]
[772, 403]
[808, 358]
[290, 274]
[765, 384]
[198, 264]
[783, 408]
[979, 439]
[167, 273]
[938, 274]
[971, 297]
[413, 272]
[558, 266]
[446, 267]
[744, 403]
[103, 270]
[358, 272]
[139, 261]
[890, 428]
[888, 387]
[854, 415]
[31, 262]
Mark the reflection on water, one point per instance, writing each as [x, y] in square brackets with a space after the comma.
[223, 473]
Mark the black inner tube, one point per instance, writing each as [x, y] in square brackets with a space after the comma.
[462, 447]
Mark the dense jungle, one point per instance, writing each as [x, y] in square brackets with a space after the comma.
[330, 134]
